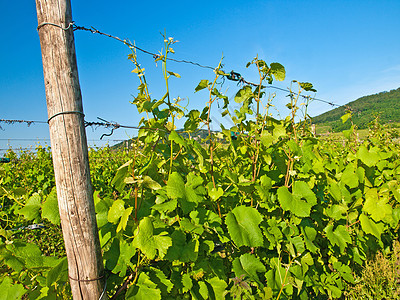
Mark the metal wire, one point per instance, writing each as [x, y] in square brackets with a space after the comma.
[155, 55]
[66, 112]
[232, 76]
[10, 122]
[56, 25]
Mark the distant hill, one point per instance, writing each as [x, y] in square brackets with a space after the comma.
[386, 105]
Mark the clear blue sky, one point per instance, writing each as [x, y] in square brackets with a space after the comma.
[347, 49]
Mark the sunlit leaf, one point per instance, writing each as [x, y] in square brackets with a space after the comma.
[116, 211]
[9, 290]
[31, 209]
[149, 243]
[242, 224]
[249, 265]
[278, 71]
[376, 206]
[124, 219]
[339, 236]
[50, 208]
[202, 85]
[369, 226]
[174, 74]
[300, 201]
[370, 158]
[244, 94]
[143, 289]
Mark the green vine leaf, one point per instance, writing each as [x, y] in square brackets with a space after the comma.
[340, 236]
[202, 85]
[144, 289]
[31, 209]
[370, 158]
[118, 256]
[278, 71]
[175, 137]
[349, 176]
[370, 227]
[150, 183]
[181, 250]
[193, 120]
[149, 243]
[116, 211]
[188, 195]
[244, 94]
[307, 87]
[50, 208]
[163, 283]
[119, 178]
[276, 275]
[124, 219]
[309, 236]
[59, 273]
[187, 283]
[248, 265]
[9, 290]
[243, 228]
[376, 206]
[174, 74]
[300, 201]
[218, 286]
[345, 117]
[215, 193]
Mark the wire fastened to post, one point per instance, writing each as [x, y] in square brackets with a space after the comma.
[66, 112]
[87, 280]
[105, 276]
[70, 25]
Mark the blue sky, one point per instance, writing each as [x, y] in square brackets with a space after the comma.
[347, 49]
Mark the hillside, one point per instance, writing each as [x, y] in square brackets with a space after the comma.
[365, 109]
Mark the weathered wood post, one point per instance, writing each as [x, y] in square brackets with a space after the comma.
[69, 149]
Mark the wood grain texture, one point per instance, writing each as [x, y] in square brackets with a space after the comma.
[69, 149]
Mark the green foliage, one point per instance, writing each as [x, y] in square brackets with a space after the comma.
[293, 201]
[10, 290]
[33, 261]
[242, 223]
[273, 213]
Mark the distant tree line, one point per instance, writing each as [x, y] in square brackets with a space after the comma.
[383, 105]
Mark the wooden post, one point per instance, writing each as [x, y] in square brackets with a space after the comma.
[69, 149]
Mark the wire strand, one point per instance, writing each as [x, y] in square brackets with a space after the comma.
[155, 55]
[232, 76]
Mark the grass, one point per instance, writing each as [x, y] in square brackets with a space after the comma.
[380, 278]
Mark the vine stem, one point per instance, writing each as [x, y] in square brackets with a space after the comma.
[289, 168]
[136, 188]
[12, 197]
[284, 279]
[128, 280]
[211, 100]
[172, 149]
[256, 144]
